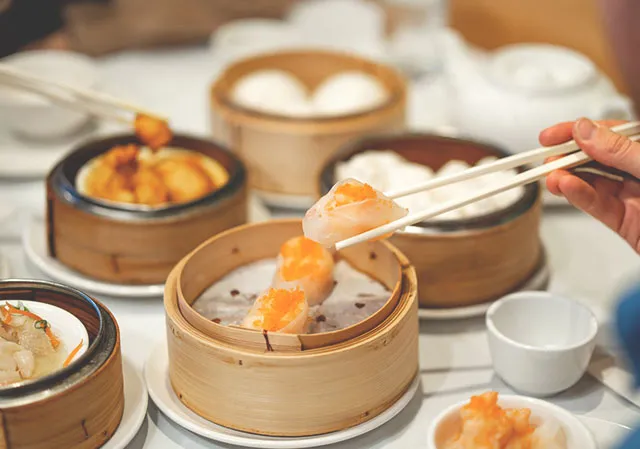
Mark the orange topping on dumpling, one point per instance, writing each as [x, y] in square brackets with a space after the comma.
[279, 307]
[351, 192]
[301, 257]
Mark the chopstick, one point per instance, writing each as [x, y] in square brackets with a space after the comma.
[521, 179]
[506, 163]
[96, 103]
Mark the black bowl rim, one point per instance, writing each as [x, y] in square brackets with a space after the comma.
[65, 188]
[44, 382]
[481, 222]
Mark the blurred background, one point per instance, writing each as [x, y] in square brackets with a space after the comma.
[535, 62]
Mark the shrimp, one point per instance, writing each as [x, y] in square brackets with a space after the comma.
[153, 132]
[485, 425]
[350, 208]
[184, 178]
[25, 362]
[305, 264]
[279, 310]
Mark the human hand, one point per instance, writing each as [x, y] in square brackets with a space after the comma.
[616, 204]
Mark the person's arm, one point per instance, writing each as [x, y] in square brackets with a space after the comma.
[621, 23]
[23, 22]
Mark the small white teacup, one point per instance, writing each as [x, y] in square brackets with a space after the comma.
[540, 343]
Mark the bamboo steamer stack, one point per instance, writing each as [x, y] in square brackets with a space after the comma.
[467, 261]
[129, 244]
[282, 384]
[284, 155]
[79, 406]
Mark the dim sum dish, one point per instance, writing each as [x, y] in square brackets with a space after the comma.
[466, 257]
[293, 141]
[322, 341]
[123, 213]
[507, 422]
[61, 378]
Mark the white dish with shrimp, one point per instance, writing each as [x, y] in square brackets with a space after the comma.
[37, 339]
[508, 422]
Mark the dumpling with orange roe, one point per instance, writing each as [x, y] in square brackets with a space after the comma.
[349, 208]
[485, 425]
[305, 264]
[279, 310]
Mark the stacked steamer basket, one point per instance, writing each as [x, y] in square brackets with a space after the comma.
[466, 261]
[76, 407]
[285, 154]
[132, 244]
[285, 384]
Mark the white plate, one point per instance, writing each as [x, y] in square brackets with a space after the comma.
[156, 372]
[135, 408]
[35, 247]
[608, 435]
[538, 281]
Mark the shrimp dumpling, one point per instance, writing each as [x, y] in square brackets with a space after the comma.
[279, 310]
[349, 208]
[305, 264]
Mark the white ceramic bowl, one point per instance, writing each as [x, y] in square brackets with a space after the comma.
[577, 435]
[31, 115]
[243, 38]
[69, 329]
[540, 343]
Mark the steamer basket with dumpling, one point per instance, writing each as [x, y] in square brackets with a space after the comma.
[460, 261]
[285, 154]
[134, 243]
[289, 384]
[77, 406]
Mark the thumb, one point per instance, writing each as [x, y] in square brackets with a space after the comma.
[607, 147]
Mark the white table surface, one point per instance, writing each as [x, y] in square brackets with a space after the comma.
[587, 262]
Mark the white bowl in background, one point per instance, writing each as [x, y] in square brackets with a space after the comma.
[243, 38]
[540, 343]
[577, 435]
[31, 115]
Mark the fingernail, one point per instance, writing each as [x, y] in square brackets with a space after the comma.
[585, 128]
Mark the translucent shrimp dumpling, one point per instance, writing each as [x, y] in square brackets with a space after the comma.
[279, 310]
[349, 208]
[305, 264]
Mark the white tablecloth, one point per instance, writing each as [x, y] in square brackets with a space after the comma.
[587, 262]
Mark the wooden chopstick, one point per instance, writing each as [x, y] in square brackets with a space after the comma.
[66, 101]
[506, 163]
[90, 101]
[521, 179]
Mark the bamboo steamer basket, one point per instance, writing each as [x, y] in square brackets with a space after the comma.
[130, 244]
[281, 384]
[284, 154]
[460, 262]
[77, 407]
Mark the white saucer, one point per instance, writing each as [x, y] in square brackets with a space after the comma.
[136, 400]
[538, 281]
[608, 435]
[35, 246]
[157, 378]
